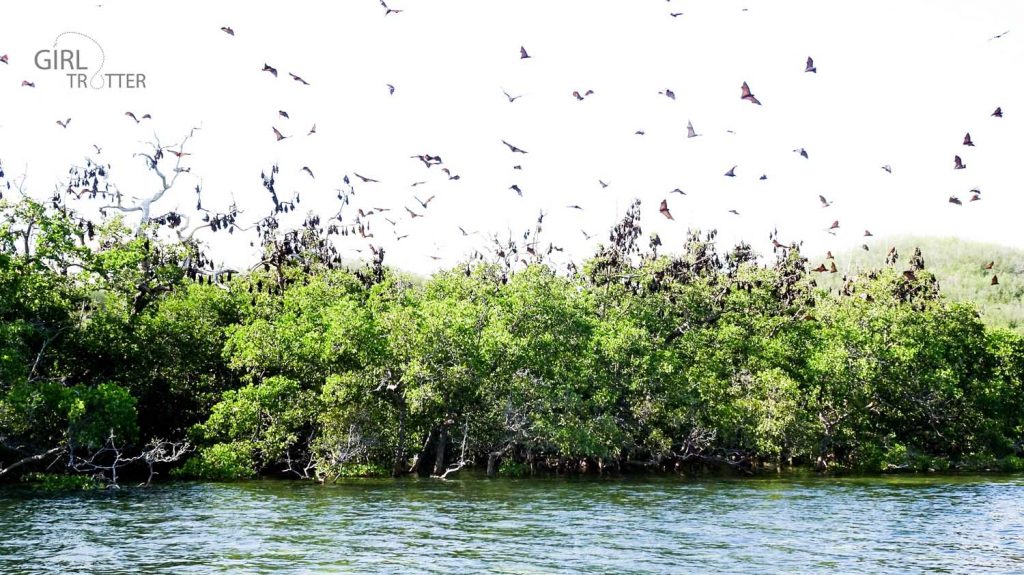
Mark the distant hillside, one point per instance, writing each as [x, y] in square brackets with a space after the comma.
[958, 266]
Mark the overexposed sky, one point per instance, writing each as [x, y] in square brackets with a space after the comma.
[898, 83]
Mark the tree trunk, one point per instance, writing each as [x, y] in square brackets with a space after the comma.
[442, 444]
[399, 464]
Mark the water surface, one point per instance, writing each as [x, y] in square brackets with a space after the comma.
[815, 525]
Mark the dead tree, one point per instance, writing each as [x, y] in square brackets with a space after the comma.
[107, 460]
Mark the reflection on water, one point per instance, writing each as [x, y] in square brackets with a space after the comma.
[851, 525]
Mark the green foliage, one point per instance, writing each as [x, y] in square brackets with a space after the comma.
[60, 482]
[221, 462]
[93, 413]
[48, 412]
[511, 468]
[264, 421]
[662, 360]
[958, 266]
[349, 470]
[1012, 464]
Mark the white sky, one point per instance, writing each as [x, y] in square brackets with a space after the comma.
[898, 83]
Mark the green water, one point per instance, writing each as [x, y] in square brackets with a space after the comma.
[816, 525]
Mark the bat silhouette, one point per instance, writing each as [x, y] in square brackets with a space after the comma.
[297, 79]
[227, 30]
[269, 68]
[664, 210]
[746, 95]
[958, 163]
[64, 124]
[278, 134]
[967, 139]
[522, 53]
[513, 148]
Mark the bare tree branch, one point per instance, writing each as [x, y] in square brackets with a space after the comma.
[31, 458]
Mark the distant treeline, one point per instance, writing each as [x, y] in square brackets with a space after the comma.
[121, 353]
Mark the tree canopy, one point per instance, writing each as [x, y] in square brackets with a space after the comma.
[636, 360]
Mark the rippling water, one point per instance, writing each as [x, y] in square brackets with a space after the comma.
[861, 525]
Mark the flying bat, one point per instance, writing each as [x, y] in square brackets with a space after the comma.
[513, 148]
[746, 95]
[664, 210]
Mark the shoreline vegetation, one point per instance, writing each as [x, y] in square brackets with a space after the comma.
[124, 355]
